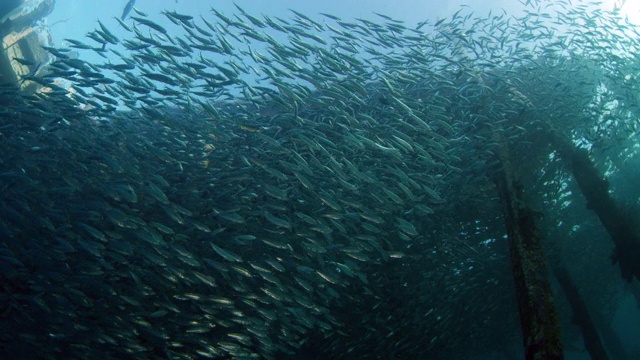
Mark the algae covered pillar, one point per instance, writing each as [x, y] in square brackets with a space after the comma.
[538, 314]
[595, 188]
[581, 315]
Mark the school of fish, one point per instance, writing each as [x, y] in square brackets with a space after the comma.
[241, 186]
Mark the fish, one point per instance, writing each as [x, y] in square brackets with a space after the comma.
[150, 24]
[273, 184]
[127, 8]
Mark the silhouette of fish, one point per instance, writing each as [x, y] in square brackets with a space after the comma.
[127, 9]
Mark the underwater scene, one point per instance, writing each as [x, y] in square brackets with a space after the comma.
[319, 180]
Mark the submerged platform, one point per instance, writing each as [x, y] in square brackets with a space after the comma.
[23, 32]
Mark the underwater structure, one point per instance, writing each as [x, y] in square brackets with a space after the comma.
[22, 38]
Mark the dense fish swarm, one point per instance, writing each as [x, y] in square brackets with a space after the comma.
[239, 186]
